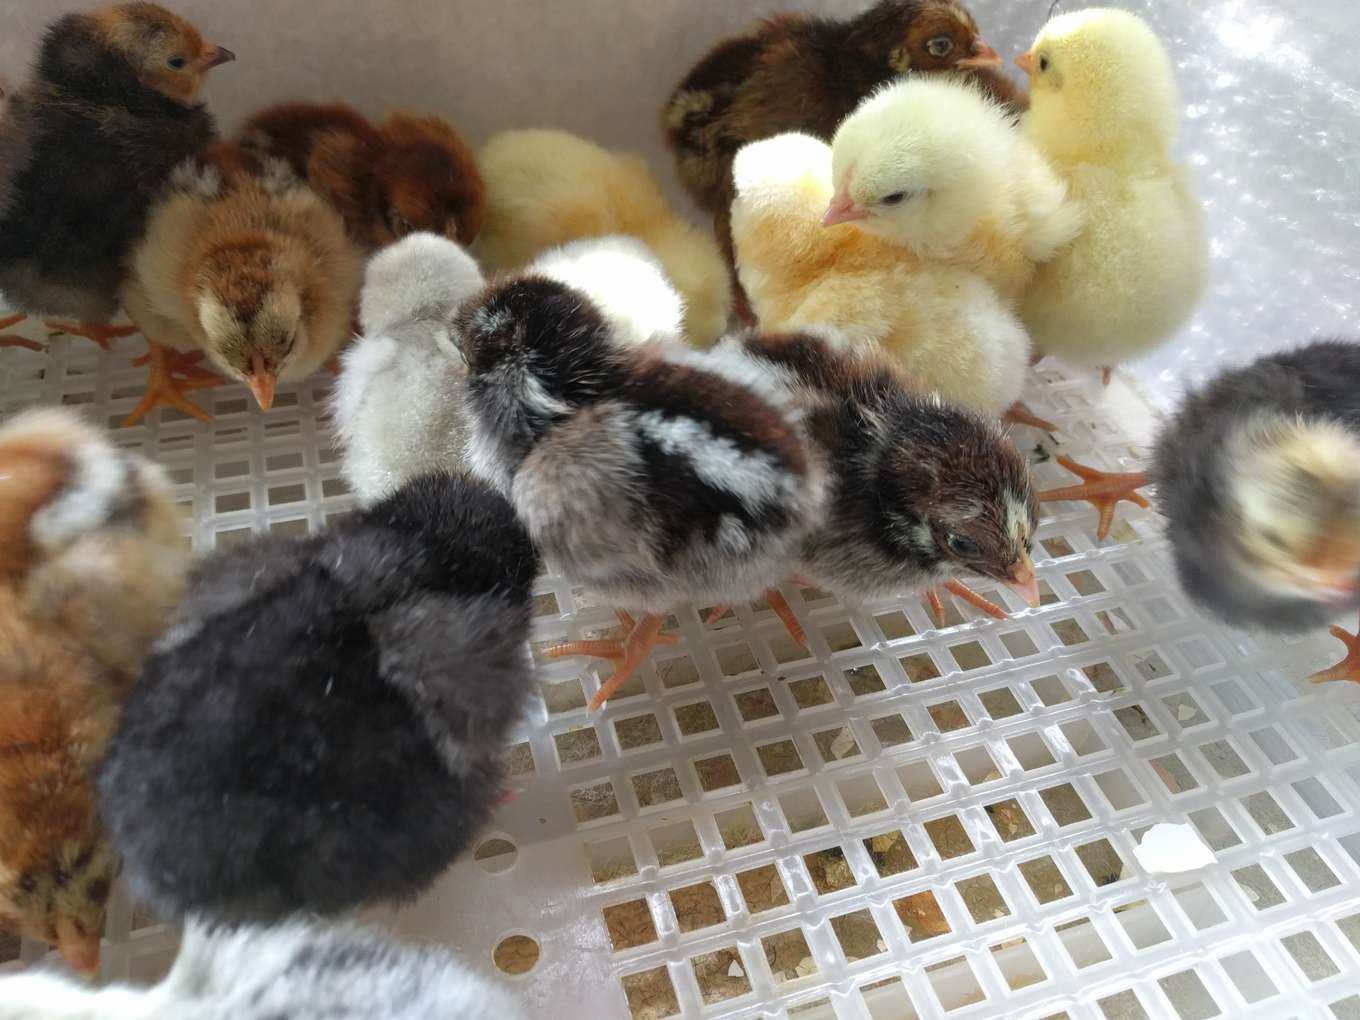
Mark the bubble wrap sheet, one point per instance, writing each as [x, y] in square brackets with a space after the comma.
[915, 822]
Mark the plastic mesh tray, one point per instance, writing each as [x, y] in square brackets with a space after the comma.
[910, 823]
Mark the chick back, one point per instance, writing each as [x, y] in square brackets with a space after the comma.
[323, 724]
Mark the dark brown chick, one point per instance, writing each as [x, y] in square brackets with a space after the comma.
[798, 72]
[408, 174]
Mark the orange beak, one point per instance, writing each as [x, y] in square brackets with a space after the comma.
[842, 210]
[81, 952]
[1024, 582]
[216, 57]
[983, 56]
[261, 382]
[1026, 62]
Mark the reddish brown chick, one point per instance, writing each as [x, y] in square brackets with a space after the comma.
[427, 179]
[170, 54]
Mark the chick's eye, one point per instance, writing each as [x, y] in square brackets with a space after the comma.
[896, 198]
[940, 46]
[962, 546]
[1043, 63]
[177, 63]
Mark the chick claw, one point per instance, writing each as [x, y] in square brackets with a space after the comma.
[781, 608]
[172, 375]
[100, 332]
[10, 340]
[643, 636]
[1349, 667]
[968, 595]
[1102, 489]
[1019, 414]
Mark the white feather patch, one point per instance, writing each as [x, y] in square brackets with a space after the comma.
[753, 478]
[86, 500]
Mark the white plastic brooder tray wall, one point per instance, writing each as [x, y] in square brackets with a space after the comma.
[910, 822]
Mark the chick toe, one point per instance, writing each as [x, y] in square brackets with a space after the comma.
[100, 333]
[1019, 414]
[173, 374]
[627, 654]
[11, 340]
[1349, 667]
[968, 595]
[1102, 489]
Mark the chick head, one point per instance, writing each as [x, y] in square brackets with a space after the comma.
[251, 309]
[1295, 499]
[1100, 80]
[919, 163]
[169, 54]
[426, 179]
[927, 35]
[423, 276]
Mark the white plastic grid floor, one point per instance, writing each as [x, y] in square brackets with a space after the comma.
[910, 823]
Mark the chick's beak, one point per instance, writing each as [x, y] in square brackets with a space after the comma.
[80, 951]
[1026, 62]
[1024, 582]
[261, 382]
[983, 56]
[216, 57]
[842, 210]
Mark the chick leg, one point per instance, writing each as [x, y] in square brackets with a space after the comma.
[172, 376]
[781, 608]
[1106, 374]
[100, 332]
[968, 595]
[1349, 667]
[1019, 414]
[1102, 489]
[627, 655]
[10, 340]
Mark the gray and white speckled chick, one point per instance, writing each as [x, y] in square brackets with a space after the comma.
[295, 971]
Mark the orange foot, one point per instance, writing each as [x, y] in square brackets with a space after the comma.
[968, 595]
[100, 332]
[1106, 374]
[781, 608]
[1102, 489]
[1019, 414]
[627, 655]
[173, 375]
[1349, 667]
[10, 340]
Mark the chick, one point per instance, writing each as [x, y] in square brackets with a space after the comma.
[300, 971]
[398, 404]
[90, 567]
[546, 188]
[806, 74]
[1258, 475]
[409, 174]
[254, 271]
[948, 212]
[322, 726]
[85, 145]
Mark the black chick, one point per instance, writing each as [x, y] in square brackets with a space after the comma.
[108, 112]
[1258, 475]
[323, 724]
[655, 474]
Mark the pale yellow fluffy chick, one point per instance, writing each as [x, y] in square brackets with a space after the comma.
[546, 188]
[1105, 113]
[256, 271]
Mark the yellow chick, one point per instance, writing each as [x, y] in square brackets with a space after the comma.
[1104, 112]
[917, 231]
[546, 188]
[254, 270]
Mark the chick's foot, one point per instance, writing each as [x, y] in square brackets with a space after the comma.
[173, 374]
[1019, 414]
[968, 595]
[1349, 667]
[100, 332]
[1102, 489]
[10, 340]
[781, 608]
[643, 636]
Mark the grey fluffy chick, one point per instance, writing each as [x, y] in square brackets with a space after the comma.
[1258, 475]
[323, 724]
[398, 404]
[295, 970]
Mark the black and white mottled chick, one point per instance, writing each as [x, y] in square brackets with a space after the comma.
[919, 489]
[322, 726]
[87, 143]
[298, 971]
[1258, 475]
[653, 474]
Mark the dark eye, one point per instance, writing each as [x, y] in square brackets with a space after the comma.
[896, 198]
[1043, 63]
[963, 547]
[940, 46]
[177, 63]
[399, 224]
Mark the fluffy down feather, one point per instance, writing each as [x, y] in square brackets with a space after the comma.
[322, 725]
[398, 404]
[1105, 113]
[948, 328]
[297, 970]
[546, 188]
